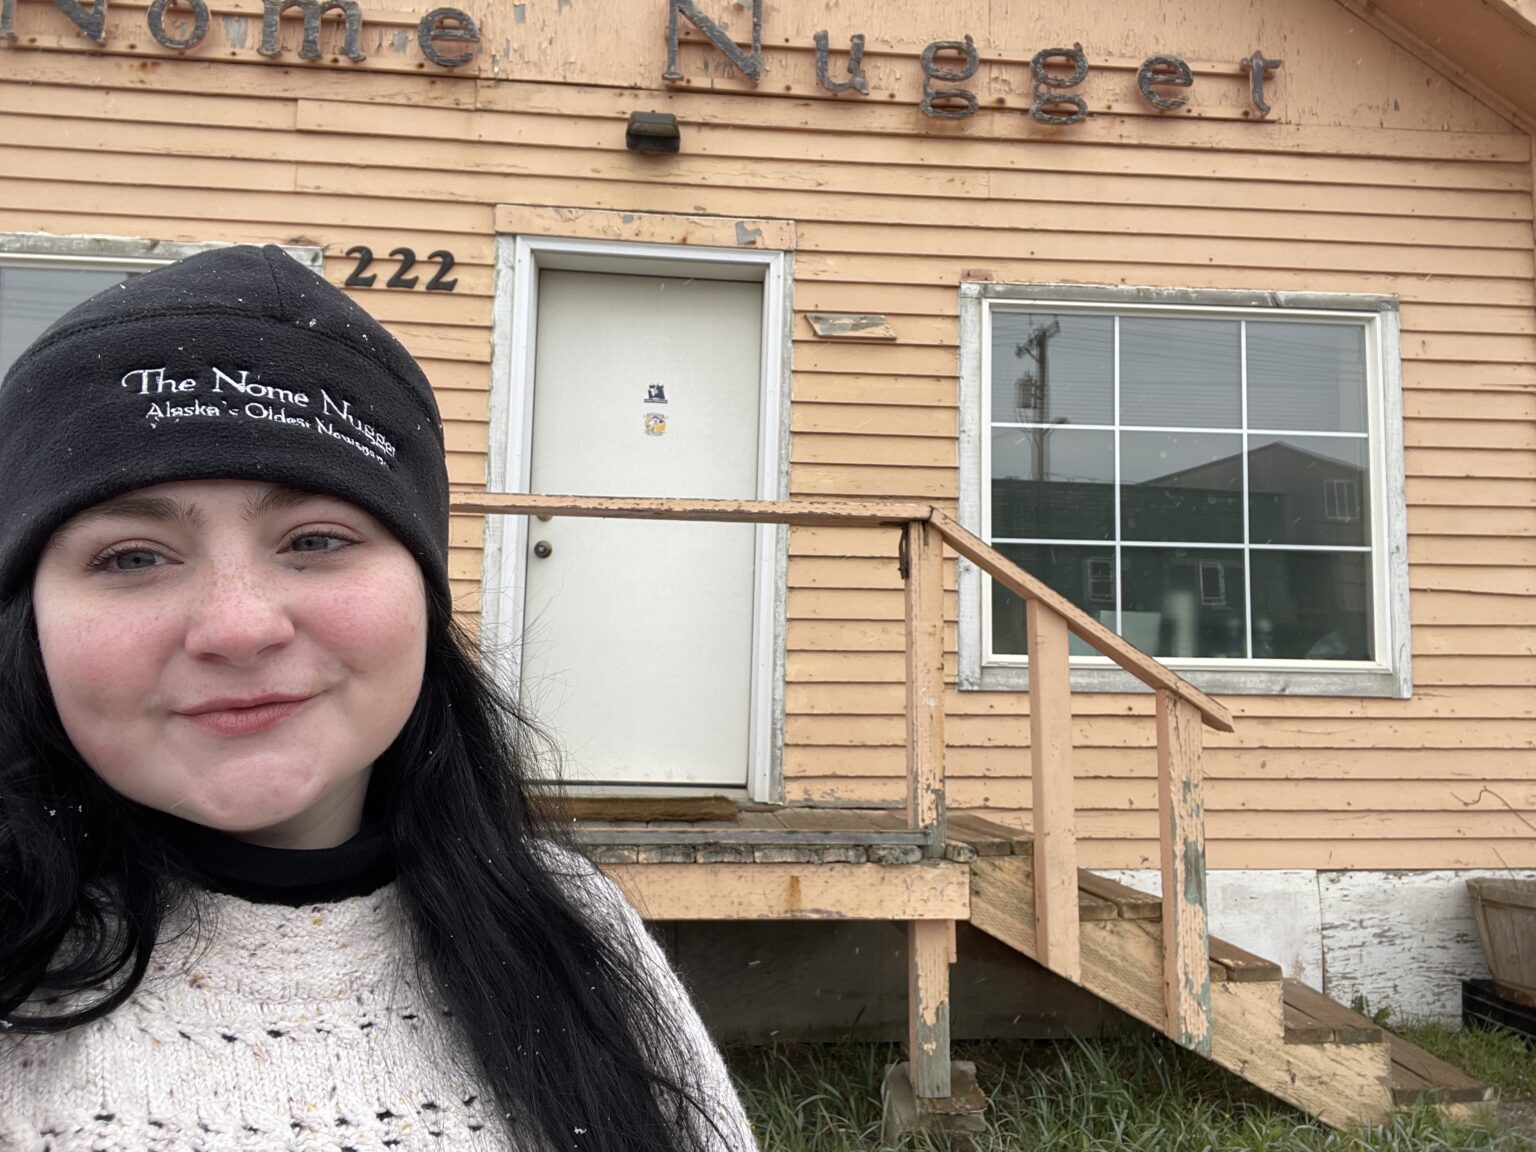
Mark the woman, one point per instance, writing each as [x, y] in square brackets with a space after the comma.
[271, 874]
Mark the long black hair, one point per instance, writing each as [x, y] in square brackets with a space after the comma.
[86, 883]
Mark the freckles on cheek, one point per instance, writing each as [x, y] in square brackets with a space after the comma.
[90, 663]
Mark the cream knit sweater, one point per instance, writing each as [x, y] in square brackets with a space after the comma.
[300, 1029]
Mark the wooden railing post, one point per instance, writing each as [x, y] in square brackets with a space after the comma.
[1055, 831]
[1181, 830]
[928, 958]
[928, 941]
[923, 567]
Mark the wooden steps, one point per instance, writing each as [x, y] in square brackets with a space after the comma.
[1279, 1034]
[1312, 1018]
[1419, 1076]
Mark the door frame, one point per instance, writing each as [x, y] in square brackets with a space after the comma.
[519, 259]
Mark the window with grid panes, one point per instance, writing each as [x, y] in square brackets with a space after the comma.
[1199, 480]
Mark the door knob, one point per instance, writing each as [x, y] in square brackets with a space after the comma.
[542, 549]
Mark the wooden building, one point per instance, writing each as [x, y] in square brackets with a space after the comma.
[1219, 319]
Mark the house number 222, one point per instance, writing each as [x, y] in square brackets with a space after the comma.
[362, 278]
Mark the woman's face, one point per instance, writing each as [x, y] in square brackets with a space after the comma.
[233, 652]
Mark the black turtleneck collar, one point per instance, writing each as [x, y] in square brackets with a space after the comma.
[292, 876]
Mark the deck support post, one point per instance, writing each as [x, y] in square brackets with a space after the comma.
[922, 557]
[1050, 738]
[928, 1007]
[1181, 830]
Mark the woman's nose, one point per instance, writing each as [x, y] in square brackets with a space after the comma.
[238, 615]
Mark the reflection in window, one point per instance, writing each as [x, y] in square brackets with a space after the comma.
[1180, 373]
[1224, 458]
[1052, 483]
[1063, 569]
[1053, 369]
[1181, 486]
[1341, 500]
[1289, 482]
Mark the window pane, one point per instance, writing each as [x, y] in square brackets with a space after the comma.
[1178, 373]
[1312, 605]
[1308, 490]
[33, 298]
[1307, 377]
[1053, 482]
[1181, 486]
[1183, 601]
[1052, 369]
[1084, 575]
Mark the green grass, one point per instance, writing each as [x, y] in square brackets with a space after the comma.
[1138, 1092]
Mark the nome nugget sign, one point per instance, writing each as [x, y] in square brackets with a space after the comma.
[450, 38]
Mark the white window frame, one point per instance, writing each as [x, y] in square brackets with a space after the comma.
[91, 253]
[509, 463]
[1390, 675]
[118, 253]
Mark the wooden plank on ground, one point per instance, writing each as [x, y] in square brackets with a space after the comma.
[931, 890]
[1181, 834]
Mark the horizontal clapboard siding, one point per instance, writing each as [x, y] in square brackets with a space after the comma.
[890, 210]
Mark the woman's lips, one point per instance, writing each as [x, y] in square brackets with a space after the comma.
[234, 719]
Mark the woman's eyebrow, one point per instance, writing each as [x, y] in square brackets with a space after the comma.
[134, 505]
[277, 498]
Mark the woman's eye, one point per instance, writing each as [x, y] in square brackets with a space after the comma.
[131, 560]
[312, 542]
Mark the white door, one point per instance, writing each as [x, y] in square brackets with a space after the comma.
[637, 646]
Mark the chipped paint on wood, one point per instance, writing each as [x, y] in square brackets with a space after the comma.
[928, 1010]
[646, 227]
[1404, 940]
[1181, 822]
[850, 325]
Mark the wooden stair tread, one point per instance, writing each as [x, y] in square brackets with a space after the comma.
[1312, 1018]
[1418, 1076]
[988, 837]
[1130, 903]
[1242, 966]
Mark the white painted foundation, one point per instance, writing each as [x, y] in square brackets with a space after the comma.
[1403, 940]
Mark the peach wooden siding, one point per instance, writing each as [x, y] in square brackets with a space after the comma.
[1378, 175]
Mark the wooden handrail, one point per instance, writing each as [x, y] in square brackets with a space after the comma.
[803, 513]
[1181, 710]
[1083, 626]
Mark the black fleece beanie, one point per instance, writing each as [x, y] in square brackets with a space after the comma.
[238, 363]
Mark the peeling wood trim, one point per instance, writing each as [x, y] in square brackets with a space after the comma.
[129, 252]
[760, 235]
[850, 326]
[931, 890]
